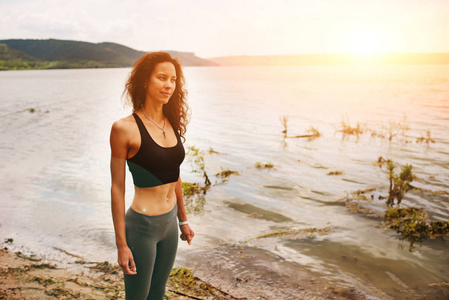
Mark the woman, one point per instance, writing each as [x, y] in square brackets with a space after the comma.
[149, 141]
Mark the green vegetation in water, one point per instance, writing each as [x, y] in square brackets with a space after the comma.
[261, 166]
[194, 197]
[194, 193]
[196, 158]
[35, 110]
[399, 183]
[225, 174]
[413, 225]
[212, 151]
[190, 189]
[361, 194]
[355, 207]
[294, 233]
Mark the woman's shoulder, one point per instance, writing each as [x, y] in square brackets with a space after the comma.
[124, 125]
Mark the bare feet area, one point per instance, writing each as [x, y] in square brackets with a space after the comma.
[29, 277]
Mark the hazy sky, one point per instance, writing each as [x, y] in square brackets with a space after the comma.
[236, 27]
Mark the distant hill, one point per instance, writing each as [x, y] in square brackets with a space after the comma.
[7, 53]
[332, 59]
[12, 59]
[41, 54]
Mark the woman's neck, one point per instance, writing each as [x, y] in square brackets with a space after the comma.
[154, 112]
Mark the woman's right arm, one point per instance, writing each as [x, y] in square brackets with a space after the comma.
[119, 150]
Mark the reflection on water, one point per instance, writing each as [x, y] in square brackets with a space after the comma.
[54, 170]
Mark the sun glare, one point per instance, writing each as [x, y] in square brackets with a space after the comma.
[365, 43]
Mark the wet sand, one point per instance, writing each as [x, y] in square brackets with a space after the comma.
[29, 277]
[244, 272]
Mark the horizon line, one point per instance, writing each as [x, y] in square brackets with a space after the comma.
[361, 54]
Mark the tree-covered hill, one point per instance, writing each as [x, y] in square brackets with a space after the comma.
[12, 59]
[76, 54]
[7, 53]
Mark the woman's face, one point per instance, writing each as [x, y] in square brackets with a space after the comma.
[162, 83]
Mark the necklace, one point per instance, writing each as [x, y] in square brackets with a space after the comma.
[163, 131]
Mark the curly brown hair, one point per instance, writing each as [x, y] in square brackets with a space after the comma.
[176, 110]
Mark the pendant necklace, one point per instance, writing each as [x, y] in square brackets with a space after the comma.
[163, 131]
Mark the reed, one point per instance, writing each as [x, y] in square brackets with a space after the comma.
[284, 122]
[428, 139]
[399, 184]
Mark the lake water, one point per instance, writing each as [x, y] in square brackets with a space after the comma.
[54, 167]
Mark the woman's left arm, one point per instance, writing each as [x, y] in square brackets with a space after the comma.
[186, 232]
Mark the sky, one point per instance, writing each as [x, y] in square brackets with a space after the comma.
[212, 28]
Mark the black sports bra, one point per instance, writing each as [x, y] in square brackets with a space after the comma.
[153, 164]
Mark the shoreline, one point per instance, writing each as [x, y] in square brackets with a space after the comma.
[250, 273]
[30, 277]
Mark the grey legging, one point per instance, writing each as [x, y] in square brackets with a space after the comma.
[153, 240]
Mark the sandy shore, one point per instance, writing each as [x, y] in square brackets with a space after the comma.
[29, 277]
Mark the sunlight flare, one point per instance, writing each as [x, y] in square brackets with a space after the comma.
[365, 42]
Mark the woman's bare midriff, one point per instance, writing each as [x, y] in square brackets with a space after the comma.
[154, 201]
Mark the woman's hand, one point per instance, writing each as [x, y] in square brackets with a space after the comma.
[187, 233]
[126, 261]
